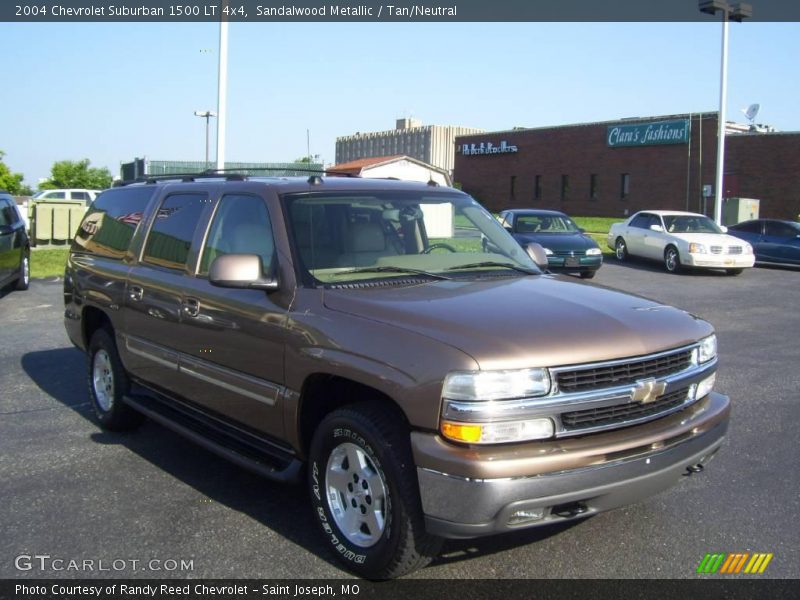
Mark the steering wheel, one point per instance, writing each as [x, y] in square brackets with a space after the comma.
[433, 247]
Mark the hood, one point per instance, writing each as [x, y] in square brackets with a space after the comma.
[529, 321]
[709, 239]
[558, 241]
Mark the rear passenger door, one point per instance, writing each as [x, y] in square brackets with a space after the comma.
[8, 252]
[232, 340]
[154, 291]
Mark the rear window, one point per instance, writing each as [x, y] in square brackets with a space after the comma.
[109, 224]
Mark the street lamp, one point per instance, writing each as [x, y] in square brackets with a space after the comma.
[207, 114]
[737, 12]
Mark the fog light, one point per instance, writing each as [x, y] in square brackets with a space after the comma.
[519, 517]
[705, 386]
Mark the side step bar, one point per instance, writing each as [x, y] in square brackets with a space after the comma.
[260, 458]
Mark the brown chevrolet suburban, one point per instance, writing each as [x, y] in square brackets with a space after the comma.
[390, 344]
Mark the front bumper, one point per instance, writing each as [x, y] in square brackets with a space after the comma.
[470, 492]
[719, 261]
[577, 263]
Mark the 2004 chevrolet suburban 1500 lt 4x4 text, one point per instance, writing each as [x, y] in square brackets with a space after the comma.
[390, 343]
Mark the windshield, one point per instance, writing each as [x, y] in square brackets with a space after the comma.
[344, 237]
[544, 224]
[690, 224]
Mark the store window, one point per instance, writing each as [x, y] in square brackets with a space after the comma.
[624, 185]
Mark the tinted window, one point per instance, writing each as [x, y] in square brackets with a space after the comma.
[241, 226]
[109, 224]
[171, 235]
[781, 230]
[642, 220]
[748, 227]
[7, 213]
[54, 196]
[79, 195]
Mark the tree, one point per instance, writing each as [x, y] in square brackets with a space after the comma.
[11, 182]
[76, 174]
[303, 159]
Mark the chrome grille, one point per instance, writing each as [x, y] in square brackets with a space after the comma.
[592, 378]
[734, 250]
[624, 412]
[716, 249]
[568, 252]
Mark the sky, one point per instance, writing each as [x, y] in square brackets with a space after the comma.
[110, 92]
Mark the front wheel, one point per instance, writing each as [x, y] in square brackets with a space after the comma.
[672, 260]
[108, 383]
[734, 271]
[588, 274]
[365, 494]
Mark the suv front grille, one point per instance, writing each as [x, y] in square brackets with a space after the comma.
[581, 379]
[621, 413]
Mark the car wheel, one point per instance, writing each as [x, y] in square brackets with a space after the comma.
[365, 493]
[734, 271]
[24, 279]
[620, 249]
[672, 260]
[108, 383]
[588, 274]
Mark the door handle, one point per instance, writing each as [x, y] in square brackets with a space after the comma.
[191, 306]
[135, 293]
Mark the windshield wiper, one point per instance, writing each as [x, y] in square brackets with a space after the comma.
[492, 263]
[390, 269]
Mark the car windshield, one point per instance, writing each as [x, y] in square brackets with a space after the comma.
[690, 224]
[544, 224]
[345, 237]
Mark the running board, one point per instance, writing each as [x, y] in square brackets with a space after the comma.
[259, 457]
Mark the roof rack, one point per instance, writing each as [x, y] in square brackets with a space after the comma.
[228, 174]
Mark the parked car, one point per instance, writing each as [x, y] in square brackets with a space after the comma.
[679, 239]
[567, 247]
[87, 196]
[423, 387]
[773, 241]
[15, 248]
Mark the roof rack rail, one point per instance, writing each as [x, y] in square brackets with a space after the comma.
[232, 174]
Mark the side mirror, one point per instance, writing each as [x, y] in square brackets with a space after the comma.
[4, 229]
[240, 271]
[537, 253]
[581, 229]
[656, 228]
[724, 229]
[507, 227]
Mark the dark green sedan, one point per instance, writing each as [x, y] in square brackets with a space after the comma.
[568, 248]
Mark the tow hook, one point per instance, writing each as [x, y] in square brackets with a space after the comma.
[692, 469]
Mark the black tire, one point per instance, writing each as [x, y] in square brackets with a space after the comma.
[24, 277]
[672, 259]
[734, 271]
[397, 543]
[620, 249]
[108, 383]
[588, 274]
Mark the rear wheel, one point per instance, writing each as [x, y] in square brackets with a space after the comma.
[108, 383]
[672, 260]
[620, 249]
[24, 279]
[365, 493]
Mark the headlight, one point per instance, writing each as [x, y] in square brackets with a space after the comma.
[747, 249]
[697, 249]
[496, 385]
[593, 252]
[707, 349]
[548, 252]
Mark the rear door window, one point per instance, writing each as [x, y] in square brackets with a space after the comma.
[170, 237]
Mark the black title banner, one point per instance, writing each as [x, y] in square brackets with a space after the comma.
[255, 11]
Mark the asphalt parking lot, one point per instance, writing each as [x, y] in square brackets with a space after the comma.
[74, 492]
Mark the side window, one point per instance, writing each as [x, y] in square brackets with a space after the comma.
[780, 230]
[641, 220]
[79, 196]
[170, 237]
[655, 220]
[7, 216]
[241, 225]
[108, 226]
[54, 196]
[751, 227]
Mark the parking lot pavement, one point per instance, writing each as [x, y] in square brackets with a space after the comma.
[76, 493]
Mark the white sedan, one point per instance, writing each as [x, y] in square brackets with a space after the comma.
[680, 239]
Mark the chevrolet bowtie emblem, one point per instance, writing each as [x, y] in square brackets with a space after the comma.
[647, 390]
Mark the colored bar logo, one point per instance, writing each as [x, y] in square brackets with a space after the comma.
[735, 563]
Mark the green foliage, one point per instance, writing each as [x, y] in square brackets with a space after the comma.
[48, 262]
[11, 182]
[597, 224]
[303, 159]
[76, 174]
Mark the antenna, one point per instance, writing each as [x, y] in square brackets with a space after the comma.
[751, 111]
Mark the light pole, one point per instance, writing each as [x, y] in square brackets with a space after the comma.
[737, 12]
[207, 114]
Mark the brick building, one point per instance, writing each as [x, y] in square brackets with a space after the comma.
[615, 168]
